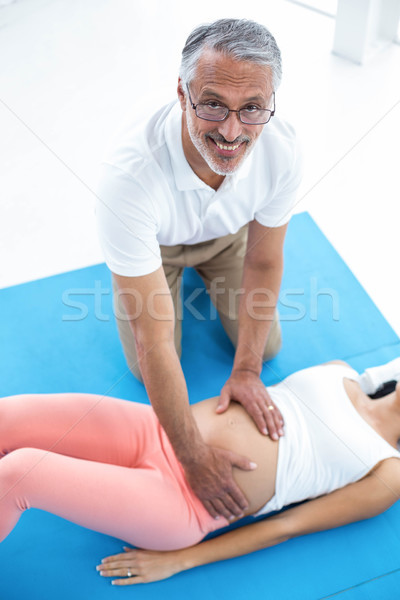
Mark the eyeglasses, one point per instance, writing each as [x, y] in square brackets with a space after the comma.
[251, 115]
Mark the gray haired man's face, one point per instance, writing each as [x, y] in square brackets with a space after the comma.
[234, 84]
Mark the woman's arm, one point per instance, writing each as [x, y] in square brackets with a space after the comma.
[361, 500]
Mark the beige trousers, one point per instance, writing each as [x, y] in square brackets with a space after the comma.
[219, 262]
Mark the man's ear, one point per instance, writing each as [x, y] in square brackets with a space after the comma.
[181, 94]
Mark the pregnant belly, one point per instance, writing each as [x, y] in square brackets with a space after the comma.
[235, 430]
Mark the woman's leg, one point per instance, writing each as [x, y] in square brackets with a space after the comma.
[143, 506]
[81, 425]
[100, 462]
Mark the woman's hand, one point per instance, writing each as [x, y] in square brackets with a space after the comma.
[140, 566]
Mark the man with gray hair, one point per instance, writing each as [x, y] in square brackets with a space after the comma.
[207, 182]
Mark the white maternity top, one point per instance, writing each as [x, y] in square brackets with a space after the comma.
[327, 444]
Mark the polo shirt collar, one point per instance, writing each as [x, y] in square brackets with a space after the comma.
[185, 178]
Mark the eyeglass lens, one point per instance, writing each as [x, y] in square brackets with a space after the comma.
[219, 113]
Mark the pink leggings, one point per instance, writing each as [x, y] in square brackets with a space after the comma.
[103, 463]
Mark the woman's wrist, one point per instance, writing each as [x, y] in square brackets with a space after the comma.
[184, 559]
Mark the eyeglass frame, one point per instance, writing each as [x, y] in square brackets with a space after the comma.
[229, 110]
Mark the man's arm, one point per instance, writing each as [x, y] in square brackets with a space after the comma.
[262, 275]
[208, 469]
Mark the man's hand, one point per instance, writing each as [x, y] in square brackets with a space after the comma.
[247, 388]
[210, 477]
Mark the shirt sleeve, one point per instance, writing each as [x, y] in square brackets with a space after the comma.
[286, 167]
[127, 224]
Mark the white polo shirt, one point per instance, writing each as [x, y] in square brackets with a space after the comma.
[149, 195]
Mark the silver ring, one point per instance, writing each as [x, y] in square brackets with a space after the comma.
[129, 574]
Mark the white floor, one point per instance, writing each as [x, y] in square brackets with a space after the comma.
[70, 71]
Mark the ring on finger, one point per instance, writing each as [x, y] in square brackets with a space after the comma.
[270, 407]
[129, 574]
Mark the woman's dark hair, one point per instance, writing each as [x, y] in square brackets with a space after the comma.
[387, 388]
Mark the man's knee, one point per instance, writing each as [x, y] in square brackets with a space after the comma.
[274, 341]
[127, 337]
[135, 370]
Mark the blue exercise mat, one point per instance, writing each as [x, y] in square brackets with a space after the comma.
[58, 334]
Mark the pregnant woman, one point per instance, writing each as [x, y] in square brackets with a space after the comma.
[106, 464]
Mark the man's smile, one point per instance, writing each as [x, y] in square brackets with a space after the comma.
[224, 148]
